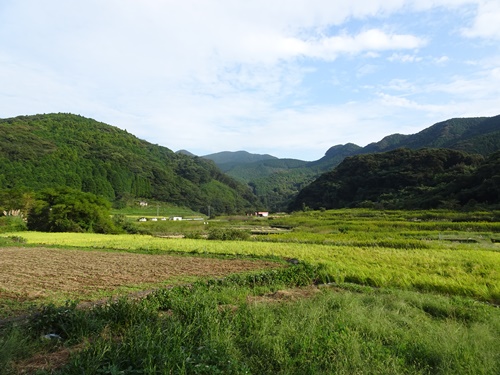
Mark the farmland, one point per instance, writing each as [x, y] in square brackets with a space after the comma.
[430, 251]
[87, 275]
[396, 292]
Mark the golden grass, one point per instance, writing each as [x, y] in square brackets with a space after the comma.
[455, 270]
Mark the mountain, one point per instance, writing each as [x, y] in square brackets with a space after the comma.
[185, 152]
[51, 150]
[272, 179]
[406, 179]
[335, 155]
[477, 135]
[227, 160]
[278, 181]
[465, 134]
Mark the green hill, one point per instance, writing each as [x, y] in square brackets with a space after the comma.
[405, 178]
[278, 181]
[54, 150]
[465, 134]
[228, 160]
[275, 181]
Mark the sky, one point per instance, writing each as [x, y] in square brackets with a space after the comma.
[289, 78]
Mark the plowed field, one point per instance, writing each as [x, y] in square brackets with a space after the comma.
[33, 273]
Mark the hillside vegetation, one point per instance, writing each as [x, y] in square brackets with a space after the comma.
[47, 151]
[404, 178]
[278, 181]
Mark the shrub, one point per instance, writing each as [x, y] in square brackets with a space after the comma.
[69, 210]
[12, 224]
[228, 234]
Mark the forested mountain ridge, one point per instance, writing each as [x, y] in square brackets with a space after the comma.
[278, 181]
[465, 134]
[227, 160]
[53, 150]
[476, 135]
[406, 179]
[275, 181]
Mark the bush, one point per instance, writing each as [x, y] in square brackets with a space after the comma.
[121, 221]
[12, 224]
[70, 210]
[228, 234]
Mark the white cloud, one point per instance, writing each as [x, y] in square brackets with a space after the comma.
[214, 75]
[487, 21]
[404, 58]
[400, 85]
[484, 84]
[441, 60]
[370, 40]
[401, 102]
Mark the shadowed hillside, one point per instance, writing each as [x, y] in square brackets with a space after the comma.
[406, 179]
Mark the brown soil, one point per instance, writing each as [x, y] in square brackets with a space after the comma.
[32, 273]
[288, 295]
[46, 361]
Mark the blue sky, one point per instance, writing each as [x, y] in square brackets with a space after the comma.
[288, 78]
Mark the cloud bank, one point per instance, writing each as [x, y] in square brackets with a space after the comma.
[288, 78]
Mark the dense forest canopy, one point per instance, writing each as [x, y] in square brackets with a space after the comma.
[52, 150]
[404, 178]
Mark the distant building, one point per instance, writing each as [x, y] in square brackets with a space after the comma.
[176, 218]
[143, 203]
[143, 219]
[262, 214]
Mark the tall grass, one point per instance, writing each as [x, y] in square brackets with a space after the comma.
[463, 269]
[231, 328]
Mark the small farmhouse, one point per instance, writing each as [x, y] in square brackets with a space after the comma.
[262, 214]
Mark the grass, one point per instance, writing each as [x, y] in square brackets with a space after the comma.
[407, 298]
[453, 268]
[239, 327]
[156, 209]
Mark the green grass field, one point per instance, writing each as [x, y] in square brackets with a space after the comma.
[408, 292]
[394, 250]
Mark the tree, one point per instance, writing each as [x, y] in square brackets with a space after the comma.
[69, 210]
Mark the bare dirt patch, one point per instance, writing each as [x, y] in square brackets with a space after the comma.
[42, 272]
[288, 295]
[46, 361]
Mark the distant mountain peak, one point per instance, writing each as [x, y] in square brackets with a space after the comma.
[238, 157]
[348, 147]
[185, 152]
